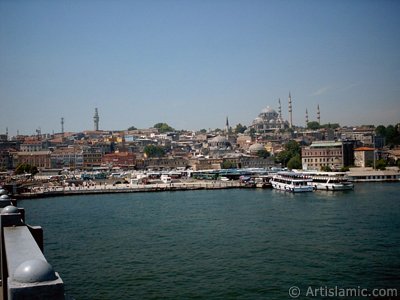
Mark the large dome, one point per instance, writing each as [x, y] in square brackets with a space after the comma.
[256, 147]
[268, 110]
[268, 120]
[219, 139]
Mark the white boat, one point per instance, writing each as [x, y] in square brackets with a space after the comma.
[330, 181]
[292, 182]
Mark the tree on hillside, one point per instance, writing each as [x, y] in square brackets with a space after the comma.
[240, 128]
[154, 151]
[313, 125]
[291, 149]
[163, 127]
[294, 162]
[132, 128]
[380, 131]
[391, 134]
[263, 153]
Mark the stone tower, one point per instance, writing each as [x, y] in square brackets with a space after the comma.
[96, 119]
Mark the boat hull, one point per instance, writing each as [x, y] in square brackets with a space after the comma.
[332, 186]
[291, 188]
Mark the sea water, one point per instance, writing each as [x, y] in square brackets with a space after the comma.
[222, 244]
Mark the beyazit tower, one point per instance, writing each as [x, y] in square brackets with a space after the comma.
[96, 119]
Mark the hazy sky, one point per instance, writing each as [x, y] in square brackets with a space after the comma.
[191, 63]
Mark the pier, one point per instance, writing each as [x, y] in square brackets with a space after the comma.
[129, 188]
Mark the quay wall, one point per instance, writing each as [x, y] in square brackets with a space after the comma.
[128, 188]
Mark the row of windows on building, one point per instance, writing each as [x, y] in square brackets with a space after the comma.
[322, 153]
[320, 159]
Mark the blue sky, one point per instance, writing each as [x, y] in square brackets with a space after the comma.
[192, 63]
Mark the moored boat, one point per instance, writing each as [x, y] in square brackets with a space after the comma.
[330, 181]
[292, 182]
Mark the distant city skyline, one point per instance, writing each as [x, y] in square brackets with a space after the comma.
[192, 63]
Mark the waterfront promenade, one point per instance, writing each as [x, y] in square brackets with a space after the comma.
[103, 188]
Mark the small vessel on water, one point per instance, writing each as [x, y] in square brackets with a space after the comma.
[292, 182]
[330, 181]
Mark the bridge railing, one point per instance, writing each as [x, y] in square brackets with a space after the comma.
[25, 272]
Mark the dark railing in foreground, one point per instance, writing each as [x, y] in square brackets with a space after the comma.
[25, 272]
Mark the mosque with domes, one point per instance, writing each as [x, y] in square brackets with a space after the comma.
[270, 121]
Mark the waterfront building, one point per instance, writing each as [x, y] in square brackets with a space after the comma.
[162, 163]
[6, 159]
[92, 157]
[241, 161]
[363, 156]
[370, 175]
[68, 157]
[332, 154]
[119, 159]
[31, 145]
[39, 159]
[202, 163]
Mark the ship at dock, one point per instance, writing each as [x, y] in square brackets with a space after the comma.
[329, 181]
[292, 182]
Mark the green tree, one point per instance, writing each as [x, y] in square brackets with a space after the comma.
[163, 127]
[132, 128]
[380, 164]
[252, 132]
[391, 134]
[291, 149]
[263, 154]
[380, 131]
[240, 128]
[294, 162]
[203, 131]
[154, 151]
[345, 169]
[26, 169]
[326, 169]
[313, 125]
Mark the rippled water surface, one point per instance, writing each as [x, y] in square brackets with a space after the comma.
[221, 244]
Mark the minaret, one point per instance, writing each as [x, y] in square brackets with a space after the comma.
[306, 117]
[96, 119]
[290, 111]
[318, 115]
[62, 126]
[227, 125]
[280, 109]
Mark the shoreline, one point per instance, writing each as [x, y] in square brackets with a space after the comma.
[127, 188]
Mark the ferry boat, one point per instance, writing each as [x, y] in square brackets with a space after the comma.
[292, 182]
[330, 181]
